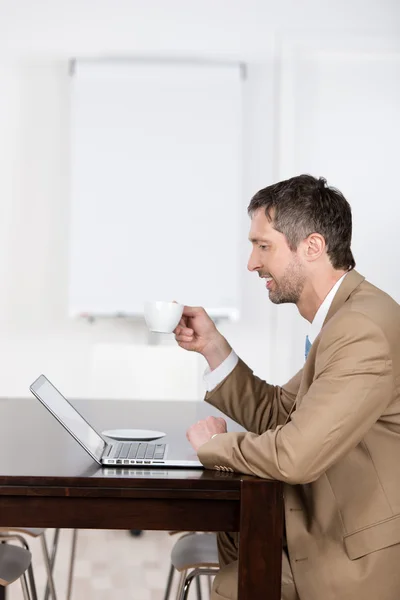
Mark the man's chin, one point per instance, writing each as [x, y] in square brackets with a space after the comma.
[274, 297]
[277, 298]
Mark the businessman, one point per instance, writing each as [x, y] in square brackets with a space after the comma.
[332, 433]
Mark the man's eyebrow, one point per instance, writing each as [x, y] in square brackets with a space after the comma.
[259, 240]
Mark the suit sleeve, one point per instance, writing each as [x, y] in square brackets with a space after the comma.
[352, 386]
[252, 402]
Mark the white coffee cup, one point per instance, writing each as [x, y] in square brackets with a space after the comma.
[162, 317]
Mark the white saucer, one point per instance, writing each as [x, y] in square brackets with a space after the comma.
[133, 434]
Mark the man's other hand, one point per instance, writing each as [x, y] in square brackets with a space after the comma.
[201, 432]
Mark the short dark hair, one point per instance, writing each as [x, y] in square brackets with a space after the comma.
[303, 205]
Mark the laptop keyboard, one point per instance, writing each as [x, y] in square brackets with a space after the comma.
[138, 451]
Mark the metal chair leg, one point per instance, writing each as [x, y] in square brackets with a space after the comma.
[32, 582]
[169, 582]
[186, 587]
[198, 588]
[25, 589]
[181, 585]
[49, 567]
[51, 561]
[209, 580]
[184, 591]
[72, 563]
[50, 587]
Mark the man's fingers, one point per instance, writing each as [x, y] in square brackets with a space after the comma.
[192, 311]
[179, 330]
[184, 334]
[183, 339]
[186, 331]
[182, 323]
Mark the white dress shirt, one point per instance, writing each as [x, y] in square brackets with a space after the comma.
[323, 310]
[213, 378]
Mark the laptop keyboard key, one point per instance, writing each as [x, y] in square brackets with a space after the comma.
[160, 451]
[142, 451]
[125, 450]
[118, 450]
[133, 450]
[150, 451]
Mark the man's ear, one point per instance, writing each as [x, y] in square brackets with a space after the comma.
[314, 246]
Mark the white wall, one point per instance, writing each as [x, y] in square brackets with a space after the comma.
[36, 40]
[340, 117]
[202, 27]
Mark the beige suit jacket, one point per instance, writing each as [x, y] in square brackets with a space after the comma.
[332, 434]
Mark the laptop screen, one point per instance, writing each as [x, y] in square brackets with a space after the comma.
[68, 416]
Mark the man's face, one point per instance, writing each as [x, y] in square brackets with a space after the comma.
[273, 260]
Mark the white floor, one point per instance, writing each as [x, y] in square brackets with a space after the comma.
[109, 565]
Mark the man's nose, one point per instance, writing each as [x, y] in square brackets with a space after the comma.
[254, 262]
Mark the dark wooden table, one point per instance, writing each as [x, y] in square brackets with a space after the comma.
[48, 480]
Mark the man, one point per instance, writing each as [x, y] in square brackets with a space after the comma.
[332, 434]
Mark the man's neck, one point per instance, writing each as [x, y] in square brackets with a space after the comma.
[315, 291]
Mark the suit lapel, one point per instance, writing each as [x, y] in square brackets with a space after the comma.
[350, 283]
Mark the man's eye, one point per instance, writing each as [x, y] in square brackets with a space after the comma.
[263, 247]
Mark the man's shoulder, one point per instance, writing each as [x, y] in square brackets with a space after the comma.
[373, 302]
[369, 307]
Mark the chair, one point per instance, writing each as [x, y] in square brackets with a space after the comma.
[14, 563]
[193, 555]
[18, 533]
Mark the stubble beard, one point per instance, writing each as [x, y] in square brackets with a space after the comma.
[290, 286]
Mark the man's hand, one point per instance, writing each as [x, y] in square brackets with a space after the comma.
[202, 431]
[197, 332]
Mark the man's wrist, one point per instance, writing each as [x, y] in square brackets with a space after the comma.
[217, 352]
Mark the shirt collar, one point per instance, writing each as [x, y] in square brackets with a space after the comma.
[321, 313]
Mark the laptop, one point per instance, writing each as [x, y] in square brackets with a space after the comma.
[108, 453]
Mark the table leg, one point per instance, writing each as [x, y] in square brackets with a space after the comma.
[260, 547]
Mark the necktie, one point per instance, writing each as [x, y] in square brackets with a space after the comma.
[308, 346]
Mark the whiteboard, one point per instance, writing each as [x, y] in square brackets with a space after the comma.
[156, 198]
